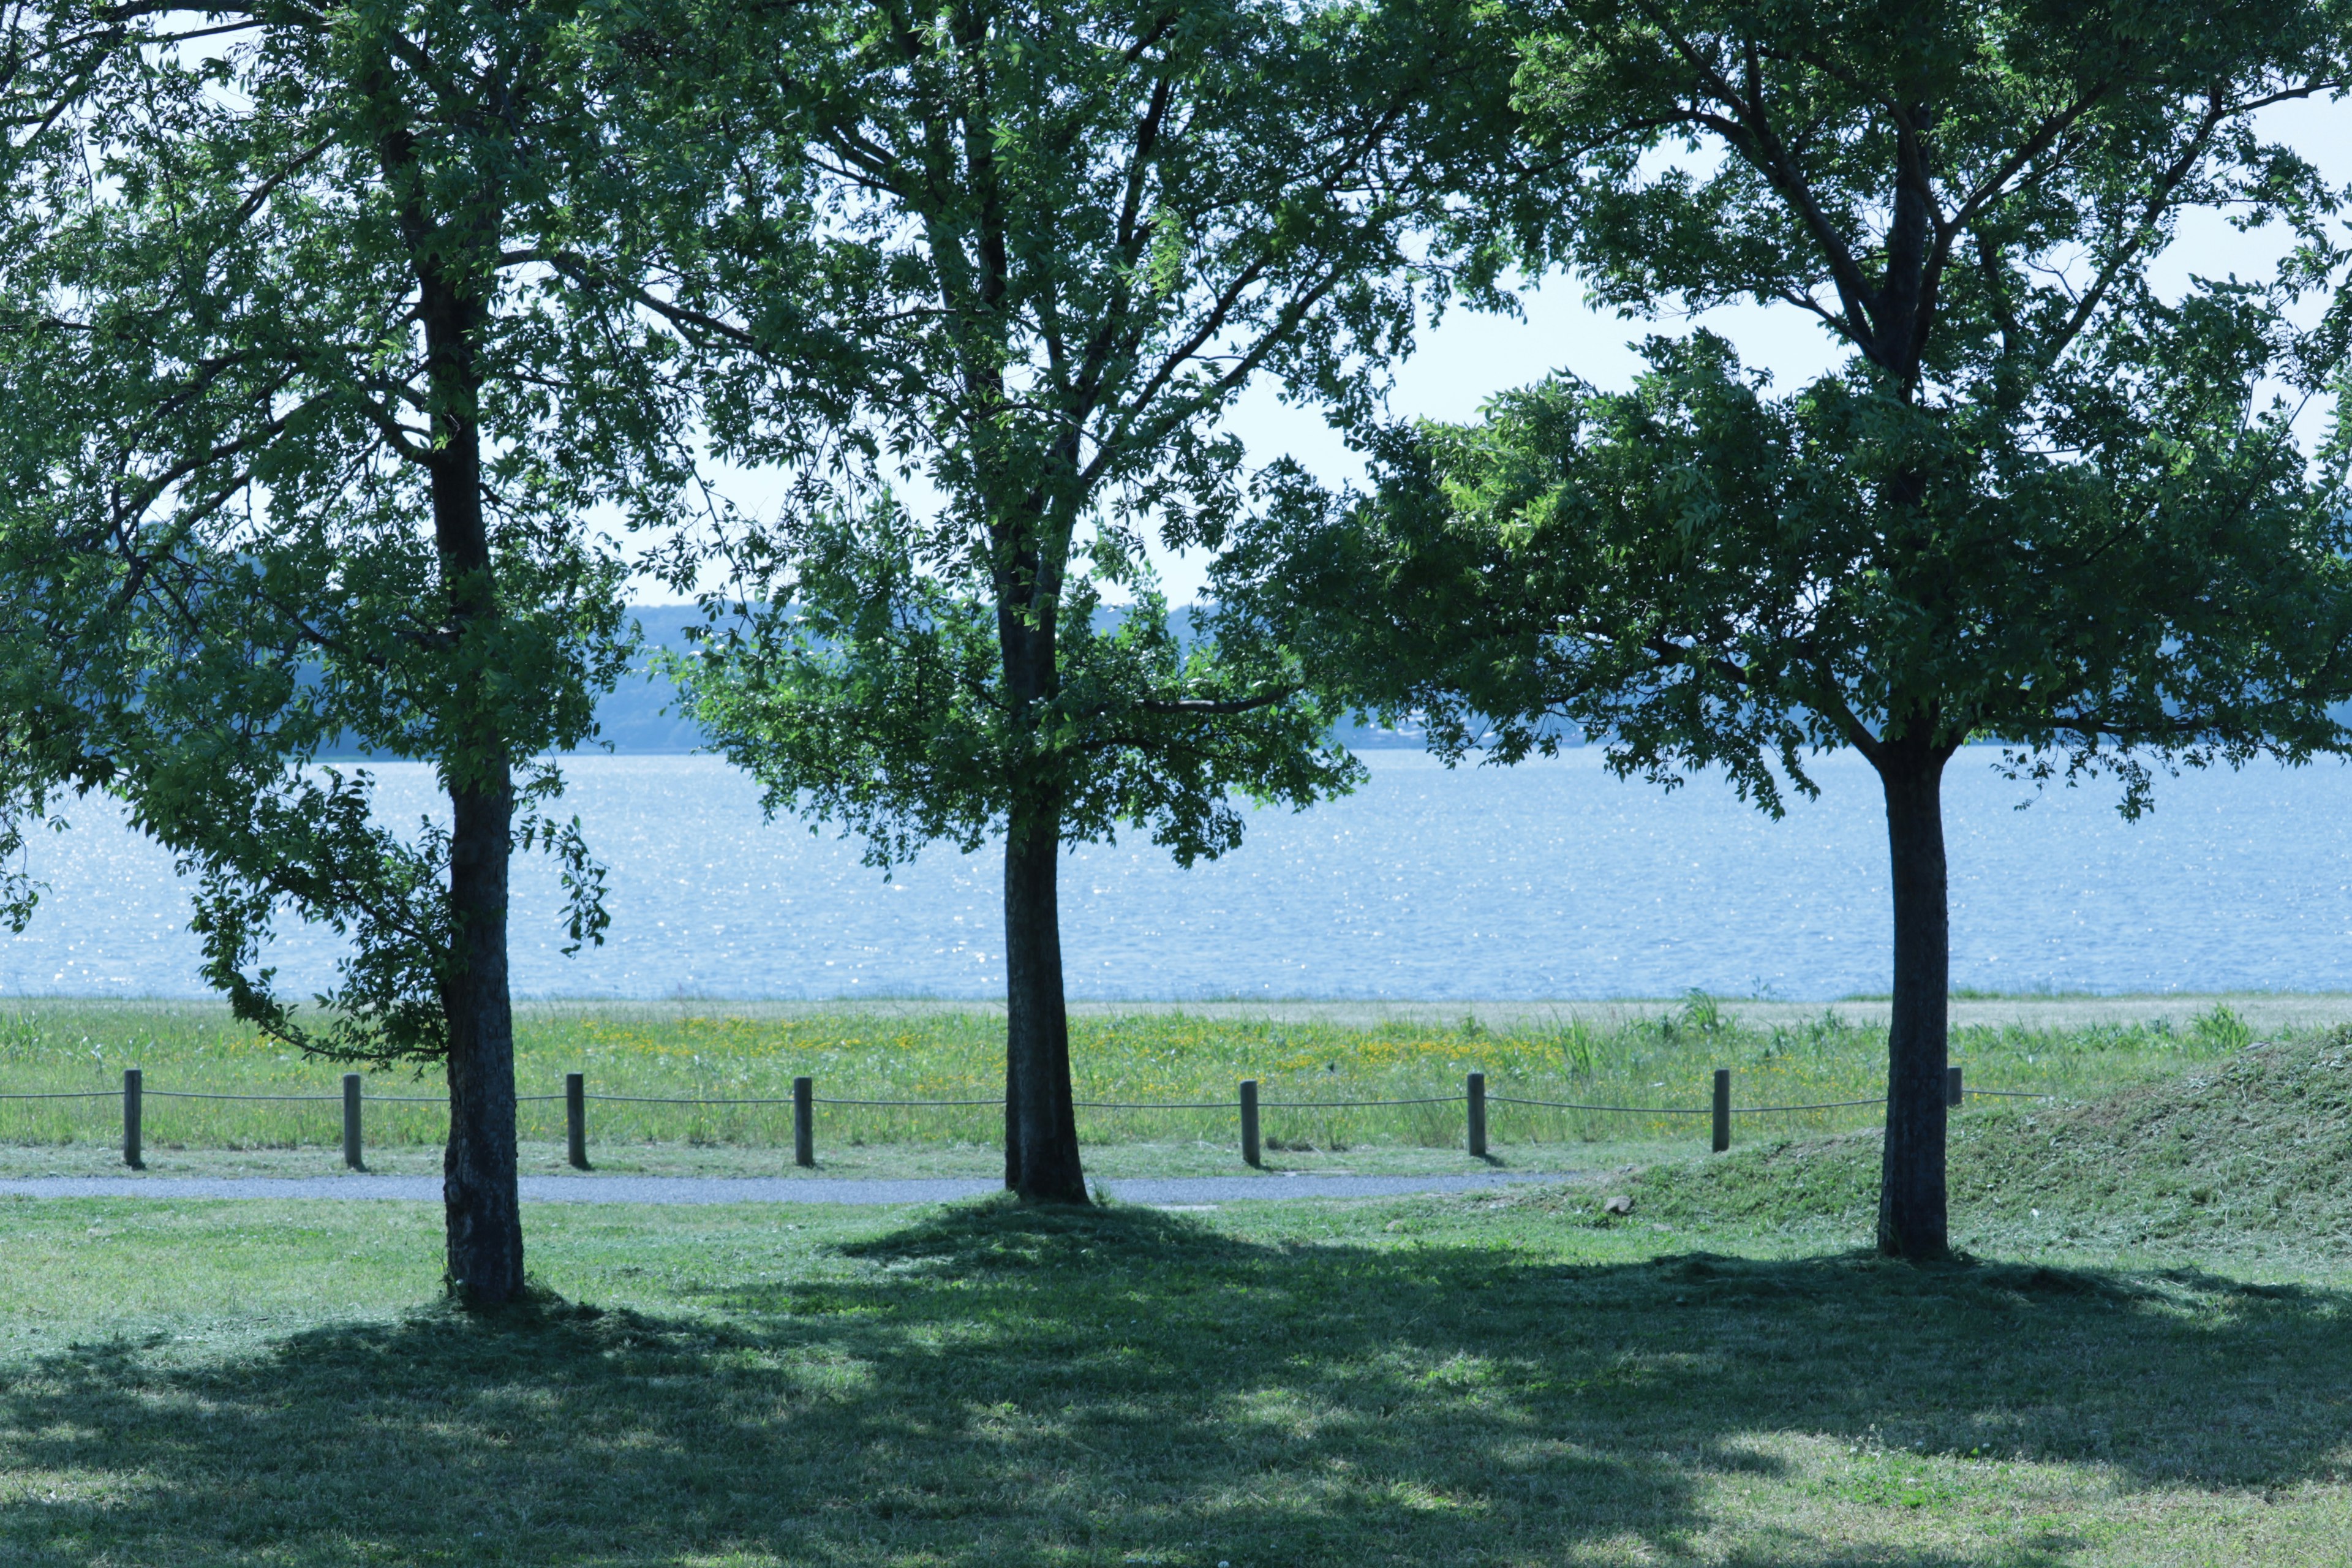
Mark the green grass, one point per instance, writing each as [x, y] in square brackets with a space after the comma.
[2244, 1158]
[2146, 1361]
[1459, 1382]
[710, 1050]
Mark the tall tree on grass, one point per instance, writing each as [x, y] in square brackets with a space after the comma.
[306, 424]
[2042, 501]
[1030, 251]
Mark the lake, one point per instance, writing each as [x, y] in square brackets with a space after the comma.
[1549, 880]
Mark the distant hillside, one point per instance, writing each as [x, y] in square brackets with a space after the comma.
[640, 718]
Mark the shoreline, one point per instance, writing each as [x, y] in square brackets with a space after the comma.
[2260, 1010]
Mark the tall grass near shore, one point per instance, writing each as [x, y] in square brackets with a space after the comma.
[711, 1051]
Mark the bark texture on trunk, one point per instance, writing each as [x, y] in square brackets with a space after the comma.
[1911, 1198]
[478, 1191]
[1041, 1126]
[479, 1194]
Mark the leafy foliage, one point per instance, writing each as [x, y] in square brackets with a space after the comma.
[1030, 253]
[2040, 503]
[295, 311]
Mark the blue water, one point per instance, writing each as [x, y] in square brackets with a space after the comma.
[1550, 880]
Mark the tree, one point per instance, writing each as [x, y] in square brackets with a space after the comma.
[2040, 504]
[49, 60]
[306, 422]
[1030, 251]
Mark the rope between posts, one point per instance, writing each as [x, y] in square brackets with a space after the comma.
[1345, 1104]
[1080, 1104]
[660, 1100]
[1624, 1109]
[1076, 1104]
[191, 1094]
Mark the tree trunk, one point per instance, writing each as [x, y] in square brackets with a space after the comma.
[478, 1191]
[1041, 1157]
[1911, 1196]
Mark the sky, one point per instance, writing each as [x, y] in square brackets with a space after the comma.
[1467, 357]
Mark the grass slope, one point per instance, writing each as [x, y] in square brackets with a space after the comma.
[2251, 1154]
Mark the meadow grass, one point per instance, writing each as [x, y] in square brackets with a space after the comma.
[709, 1051]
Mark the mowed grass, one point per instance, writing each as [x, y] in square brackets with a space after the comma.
[1465, 1381]
[2145, 1359]
[1663, 1058]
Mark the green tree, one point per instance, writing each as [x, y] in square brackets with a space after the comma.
[50, 61]
[306, 424]
[2041, 502]
[1030, 251]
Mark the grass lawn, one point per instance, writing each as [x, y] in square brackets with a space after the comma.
[2148, 1361]
[1399, 1383]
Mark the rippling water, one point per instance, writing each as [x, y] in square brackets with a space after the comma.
[1552, 879]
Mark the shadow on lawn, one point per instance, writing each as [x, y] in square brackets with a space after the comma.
[994, 1385]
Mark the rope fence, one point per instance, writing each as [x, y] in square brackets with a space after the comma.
[1614, 1110]
[1474, 1100]
[274, 1098]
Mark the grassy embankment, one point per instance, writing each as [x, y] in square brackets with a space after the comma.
[1661, 1057]
[2154, 1369]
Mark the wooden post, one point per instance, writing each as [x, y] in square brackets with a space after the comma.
[1722, 1108]
[1953, 1091]
[133, 1082]
[1475, 1094]
[804, 1122]
[575, 1119]
[1249, 1122]
[352, 1121]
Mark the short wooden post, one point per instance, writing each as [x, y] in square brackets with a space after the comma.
[1474, 1094]
[352, 1121]
[804, 1122]
[1722, 1108]
[1953, 1091]
[132, 1083]
[575, 1120]
[1249, 1122]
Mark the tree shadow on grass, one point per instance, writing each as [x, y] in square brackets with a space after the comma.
[995, 1384]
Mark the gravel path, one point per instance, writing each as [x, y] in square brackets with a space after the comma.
[753, 1189]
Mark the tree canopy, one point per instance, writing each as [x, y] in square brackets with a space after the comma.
[1023, 256]
[327, 339]
[310, 424]
[2044, 501]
